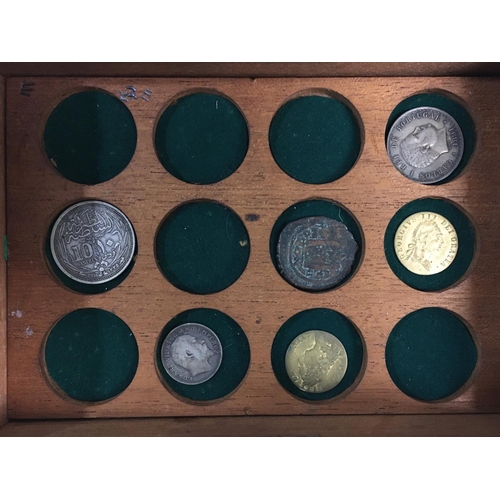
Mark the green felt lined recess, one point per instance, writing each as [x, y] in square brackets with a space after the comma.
[315, 139]
[235, 355]
[317, 208]
[430, 354]
[86, 288]
[201, 138]
[463, 258]
[202, 247]
[90, 137]
[91, 355]
[318, 319]
[452, 107]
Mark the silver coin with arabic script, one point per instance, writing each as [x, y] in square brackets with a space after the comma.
[191, 353]
[92, 242]
[425, 144]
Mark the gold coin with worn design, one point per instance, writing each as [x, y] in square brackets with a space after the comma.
[426, 243]
[316, 361]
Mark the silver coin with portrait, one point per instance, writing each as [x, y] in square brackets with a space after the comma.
[425, 144]
[92, 242]
[191, 353]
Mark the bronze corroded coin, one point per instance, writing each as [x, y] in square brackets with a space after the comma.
[316, 361]
[316, 253]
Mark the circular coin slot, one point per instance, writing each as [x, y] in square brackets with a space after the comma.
[91, 247]
[432, 146]
[316, 245]
[316, 138]
[90, 137]
[201, 138]
[202, 247]
[312, 363]
[430, 244]
[430, 354]
[202, 355]
[90, 355]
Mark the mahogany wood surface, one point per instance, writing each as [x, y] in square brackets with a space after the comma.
[250, 69]
[310, 425]
[260, 301]
[3, 284]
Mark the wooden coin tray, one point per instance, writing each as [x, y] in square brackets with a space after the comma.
[260, 300]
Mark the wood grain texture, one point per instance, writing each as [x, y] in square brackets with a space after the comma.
[3, 277]
[311, 425]
[260, 301]
[250, 70]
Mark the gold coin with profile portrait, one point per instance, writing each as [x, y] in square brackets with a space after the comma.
[426, 243]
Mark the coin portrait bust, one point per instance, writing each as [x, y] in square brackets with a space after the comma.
[192, 354]
[424, 145]
[426, 241]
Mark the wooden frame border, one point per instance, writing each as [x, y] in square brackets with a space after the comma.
[250, 70]
[376, 425]
[338, 425]
[3, 281]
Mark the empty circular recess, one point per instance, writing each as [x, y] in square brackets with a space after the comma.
[201, 138]
[466, 245]
[450, 106]
[316, 208]
[90, 137]
[315, 138]
[91, 355]
[202, 247]
[76, 286]
[318, 319]
[235, 358]
[430, 354]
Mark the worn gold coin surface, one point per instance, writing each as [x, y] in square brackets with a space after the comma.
[316, 361]
[426, 243]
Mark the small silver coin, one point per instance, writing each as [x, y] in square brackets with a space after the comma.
[316, 253]
[92, 242]
[425, 144]
[191, 353]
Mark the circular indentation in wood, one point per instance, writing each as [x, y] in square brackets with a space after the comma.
[91, 355]
[461, 265]
[90, 137]
[316, 138]
[201, 138]
[329, 321]
[430, 354]
[451, 105]
[76, 286]
[202, 247]
[318, 208]
[235, 358]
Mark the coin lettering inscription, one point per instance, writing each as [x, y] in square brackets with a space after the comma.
[316, 253]
[191, 353]
[316, 361]
[425, 144]
[426, 243]
[92, 242]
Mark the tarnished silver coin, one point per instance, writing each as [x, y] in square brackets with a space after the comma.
[191, 353]
[316, 253]
[425, 144]
[92, 242]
